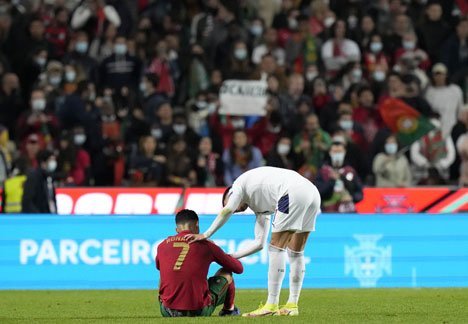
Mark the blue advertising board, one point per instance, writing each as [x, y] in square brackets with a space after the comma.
[117, 252]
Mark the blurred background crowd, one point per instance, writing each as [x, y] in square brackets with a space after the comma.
[127, 92]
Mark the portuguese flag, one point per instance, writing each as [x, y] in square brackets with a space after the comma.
[406, 122]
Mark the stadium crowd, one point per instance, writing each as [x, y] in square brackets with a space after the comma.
[127, 92]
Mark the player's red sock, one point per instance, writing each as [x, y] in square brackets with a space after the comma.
[230, 294]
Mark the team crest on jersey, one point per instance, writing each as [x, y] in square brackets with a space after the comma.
[368, 262]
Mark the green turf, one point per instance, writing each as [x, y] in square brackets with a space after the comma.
[316, 306]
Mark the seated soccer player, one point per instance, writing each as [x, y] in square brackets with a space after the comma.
[184, 289]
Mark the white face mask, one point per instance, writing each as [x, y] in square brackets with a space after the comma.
[55, 80]
[356, 75]
[329, 21]
[240, 53]
[283, 149]
[409, 45]
[81, 47]
[142, 87]
[337, 159]
[391, 148]
[311, 75]
[256, 30]
[120, 49]
[70, 76]
[292, 23]
[41, 61]
[379, 76]
[346, 124]
[38, 104]
[376, 47]
[79, 139]
[51, 166]
[179, 129]
[339, 139]
[156, 133]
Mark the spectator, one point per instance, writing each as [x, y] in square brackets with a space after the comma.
[93, 16]
[446, 99]
[266, 131]
[432, 156]
[367, 31]
[240, 157]
[338, 183]
[238, 66]
[120, 69]
[13, 188]
[197, 78]
[269, 45]
[434, 30]
[57, 33]
[353, 130]
[38, 119]
[311, 145]
[147, 167]
[11, 101]
[290, 100]
[210, 168]
[411, 52]
[151, 98]
[180, 164]
[79, 57]
[181, 129]
[401, 25]
[282, 156]
[460, 128]
[391, 168]
[412, 95]
[103, 47]
[375, 59]
[462, 150]
[339, 50]
[164, 68]
[39, 189]
[454, 53]
[73, 162]
[367, 114]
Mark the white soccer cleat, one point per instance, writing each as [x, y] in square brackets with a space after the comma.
[288, 310]
[263, 310]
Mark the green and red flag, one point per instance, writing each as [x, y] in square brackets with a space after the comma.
[406, 122]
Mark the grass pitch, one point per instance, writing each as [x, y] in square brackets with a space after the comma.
[316, 306]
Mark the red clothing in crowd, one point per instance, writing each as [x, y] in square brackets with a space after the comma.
[184, 270]
[263, 135]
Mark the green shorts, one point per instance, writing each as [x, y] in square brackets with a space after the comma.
[218, 287]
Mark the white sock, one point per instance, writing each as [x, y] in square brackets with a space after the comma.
[276, 270]
[296, 275]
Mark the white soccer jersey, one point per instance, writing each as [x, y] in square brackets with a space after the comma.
[263, 187]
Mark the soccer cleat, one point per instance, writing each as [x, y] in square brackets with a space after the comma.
[226, 312]
[263, 310]
[289, 309]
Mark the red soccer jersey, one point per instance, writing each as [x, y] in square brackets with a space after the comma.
[184, 269]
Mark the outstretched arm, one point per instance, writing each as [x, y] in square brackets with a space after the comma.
[262, 227]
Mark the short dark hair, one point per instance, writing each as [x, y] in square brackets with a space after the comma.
[185, 216]
[226, 192]
[44, 155]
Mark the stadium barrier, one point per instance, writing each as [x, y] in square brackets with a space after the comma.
[117, 252]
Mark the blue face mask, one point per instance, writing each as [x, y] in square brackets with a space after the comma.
[376, 47]
[81, 47]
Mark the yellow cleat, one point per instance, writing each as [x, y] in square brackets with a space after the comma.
[288, 310]
[263, 310]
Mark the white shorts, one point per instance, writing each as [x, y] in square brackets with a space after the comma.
[297, 210]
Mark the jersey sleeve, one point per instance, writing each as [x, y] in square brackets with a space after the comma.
[235, 198]
[225, 260]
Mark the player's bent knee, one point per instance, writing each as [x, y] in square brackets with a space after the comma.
[226, 274]
[280, 240]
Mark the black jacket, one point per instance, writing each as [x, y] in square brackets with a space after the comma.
[38, 195]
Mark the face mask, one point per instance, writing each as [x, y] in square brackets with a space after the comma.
[120, 49]
[283, 149]
[40, 61]
[311, 75]
[79, 139]
[238, 123]
[409, 45]
[81, 47]
[391, 148]
[179, 129]
[51, 166]
[379, 76]
[337, 159]
[240, 53]
[292, 23]
[142, 87]
[339, 139]
[256, 30]
[352, 21]
[376, 47]
[92, 96]
[156, 133]
[346, 124]
[38, 104]
[55, 80]
[329, 21]
[70, 76]
[356, 74]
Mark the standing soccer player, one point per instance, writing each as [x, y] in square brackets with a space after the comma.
[295, 202]
[183, 288]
